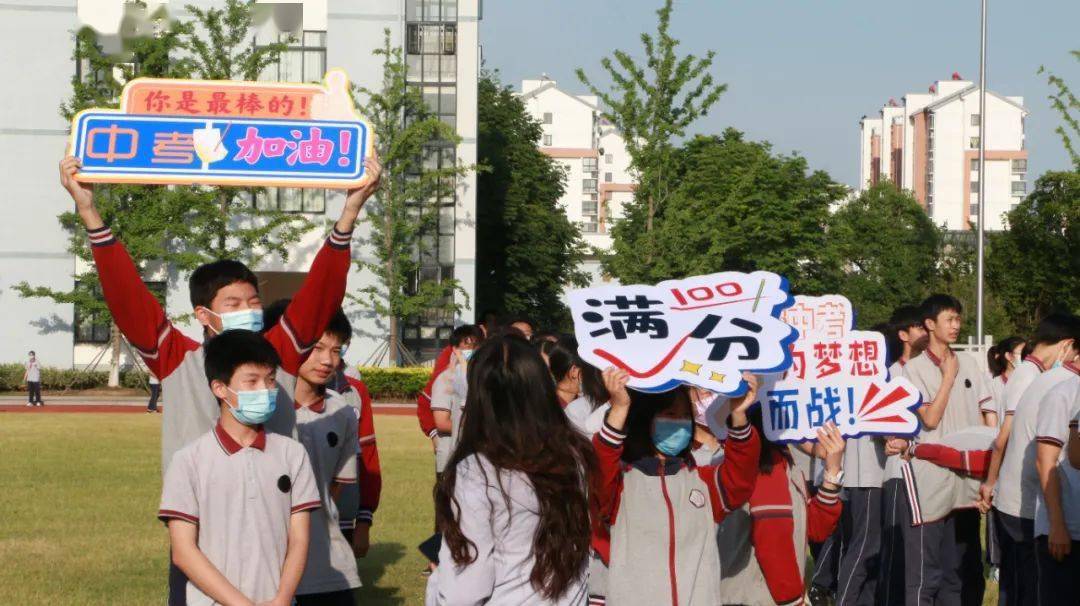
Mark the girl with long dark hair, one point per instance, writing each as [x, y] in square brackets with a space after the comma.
[513, 503]
[660, 508]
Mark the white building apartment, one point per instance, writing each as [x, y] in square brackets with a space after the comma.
[441, 42]
[598, 180]
[929, 144]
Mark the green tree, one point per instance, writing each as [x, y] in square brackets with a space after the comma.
[402, 217]
[740, 206]
[889, 249]
[148, 219]
[956, 275]
[1034, 267]
[1067, 104]
[527, 250]
[226, 224]
[652, 103]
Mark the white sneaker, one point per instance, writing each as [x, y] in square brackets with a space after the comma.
[29, 404]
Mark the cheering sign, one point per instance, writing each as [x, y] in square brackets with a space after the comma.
[703, 331]
[837, 374]
[226, 133]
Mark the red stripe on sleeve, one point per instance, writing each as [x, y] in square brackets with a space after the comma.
[137, 312]
[310, 311]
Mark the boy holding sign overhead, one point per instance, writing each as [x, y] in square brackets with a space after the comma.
[225, 296]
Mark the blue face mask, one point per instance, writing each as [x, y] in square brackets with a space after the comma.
[244, 319]
[467, 354]
[254, 407]
[672, 436]
[1056, 365]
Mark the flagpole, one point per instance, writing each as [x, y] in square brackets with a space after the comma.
[983, 189]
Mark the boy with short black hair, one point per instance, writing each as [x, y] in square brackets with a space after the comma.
[224, 295]
[326, 424]
[1012, 483]
[237, 499]
[449, 390]
[1057, 506]
[943, 552]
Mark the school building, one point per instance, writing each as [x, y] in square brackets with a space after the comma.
[441, 42]
[928, 143]
[598, 180]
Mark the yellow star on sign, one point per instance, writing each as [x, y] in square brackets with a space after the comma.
[690, 367]
[715, 376]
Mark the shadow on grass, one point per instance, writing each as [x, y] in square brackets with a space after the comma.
[372, 569]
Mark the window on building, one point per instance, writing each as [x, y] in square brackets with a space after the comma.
[547, 117]
[1019, 188]
[609, 158]
[91, 322]
[431, 39]
[588, 165]
[1019, 167]
[974, 187]
[973, 212]
[304, 60]
[974, 143]
[976, 119]
[588, 186]
[589, 227]
[547, 140]
[589, 207]
[607, 177]
[974, 164]
[431, 10]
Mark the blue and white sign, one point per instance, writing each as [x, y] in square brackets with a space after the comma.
[119, 147]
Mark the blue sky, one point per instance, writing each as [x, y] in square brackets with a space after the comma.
[801, 73]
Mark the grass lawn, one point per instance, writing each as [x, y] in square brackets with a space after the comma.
[79, 494]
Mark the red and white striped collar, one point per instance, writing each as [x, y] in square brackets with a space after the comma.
[318, 406]
[1037, 362]
[933, 358]
[1072, 367]
[231, 446]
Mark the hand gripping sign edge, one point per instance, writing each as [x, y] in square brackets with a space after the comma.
[778, 353]
[327, 103]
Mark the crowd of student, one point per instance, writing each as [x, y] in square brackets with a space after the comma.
[555, 484]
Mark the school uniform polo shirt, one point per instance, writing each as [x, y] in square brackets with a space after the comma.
[1059, 410]
[997, 391]
[443, 399]
[969, 396]
[241, 499]
[1019, 381]
[327, 429]
[1018, 480]
[894, 463]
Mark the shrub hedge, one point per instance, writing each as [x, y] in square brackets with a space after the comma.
[394, 383]
[403, 383]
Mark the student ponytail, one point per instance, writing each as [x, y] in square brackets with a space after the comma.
[996, 360]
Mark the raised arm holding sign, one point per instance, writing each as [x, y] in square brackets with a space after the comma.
[226, 133]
